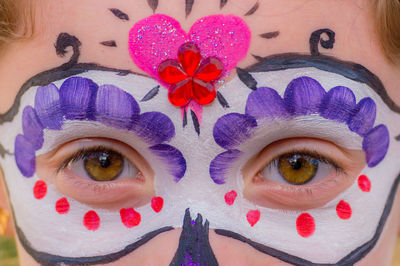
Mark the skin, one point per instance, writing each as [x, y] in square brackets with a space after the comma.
[356, 38]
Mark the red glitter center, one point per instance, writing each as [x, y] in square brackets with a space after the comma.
[190, 77]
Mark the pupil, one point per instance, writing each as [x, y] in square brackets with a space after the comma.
[296, 163]
[104, 160]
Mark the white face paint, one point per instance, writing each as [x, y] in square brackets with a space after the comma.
[66, 235]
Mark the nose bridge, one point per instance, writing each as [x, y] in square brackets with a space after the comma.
[194, 246]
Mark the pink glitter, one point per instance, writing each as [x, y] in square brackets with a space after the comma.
[158, 37]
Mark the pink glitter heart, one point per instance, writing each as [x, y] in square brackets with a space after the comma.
[158, 37]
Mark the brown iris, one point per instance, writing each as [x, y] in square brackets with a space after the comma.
[103, 165]
[297, 169]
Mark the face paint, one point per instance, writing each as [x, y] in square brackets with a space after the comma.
[49, 116]
[213, 46]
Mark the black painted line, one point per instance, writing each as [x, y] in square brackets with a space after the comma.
[316, 39]
[46, 259]
[253, 9]
[151, 94]
[188, 7]
[222, 3]
[222, 101]
[270, 35]
[153, 4]
[109, 43]
[185, 121]
[246, 78]
[196, 123]
[65, 40]
[4, 151]
[119, 14]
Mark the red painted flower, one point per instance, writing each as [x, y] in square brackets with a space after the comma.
[191, 77]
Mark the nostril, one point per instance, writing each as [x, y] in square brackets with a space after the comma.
[194, 246]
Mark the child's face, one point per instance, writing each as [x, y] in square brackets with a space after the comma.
[203, 137]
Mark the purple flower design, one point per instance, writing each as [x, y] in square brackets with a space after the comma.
[303, 96]
[82, 99]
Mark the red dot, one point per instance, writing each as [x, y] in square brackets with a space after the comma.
[91, 220]
[343, 210]
[157, 203]
[40, 189]
[130, 217]
[62, 206]
[230, 197]
[305, 225]
[364, 183]
[253, 216]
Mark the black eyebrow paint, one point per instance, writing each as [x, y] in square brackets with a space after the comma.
[253, 9]
[119, 14]
[153, 4]
[109, 43]
[270, 35]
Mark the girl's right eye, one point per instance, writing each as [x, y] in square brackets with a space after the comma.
[100, 164]
[98, 171]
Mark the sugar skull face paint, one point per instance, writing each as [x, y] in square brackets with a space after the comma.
[114, 120]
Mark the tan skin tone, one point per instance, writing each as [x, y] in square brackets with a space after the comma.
[295, 20]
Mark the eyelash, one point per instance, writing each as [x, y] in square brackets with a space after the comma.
[311, 153]
[81, 154]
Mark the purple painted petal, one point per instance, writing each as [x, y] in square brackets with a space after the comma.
[32, 128]
[154, 128]
[24, 156]
[233, 129]
[48, 108]
[376, 144]
[364, 118]
[77, 97]
[173, 158]
[265, 102]
[338, 104]
[222, 164]
[303, 96]
[115, 107]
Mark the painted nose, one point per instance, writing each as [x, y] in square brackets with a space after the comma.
[194, 247]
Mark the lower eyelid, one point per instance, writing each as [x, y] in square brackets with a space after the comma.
[292, 197]
[105, 194]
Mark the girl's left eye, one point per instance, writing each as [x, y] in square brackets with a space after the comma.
[298, 168]
[300, 173]
[100, 164]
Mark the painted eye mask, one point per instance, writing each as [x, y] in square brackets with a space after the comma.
[267, 104]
